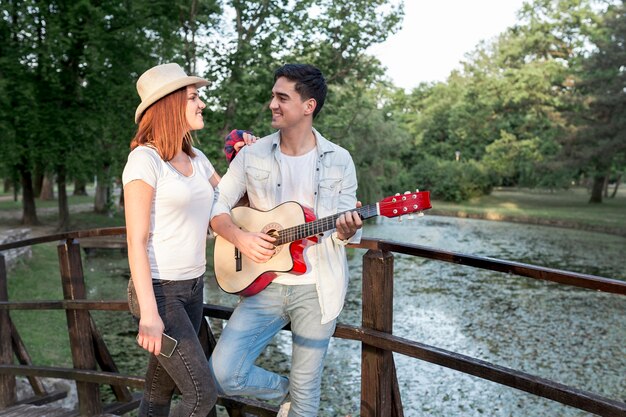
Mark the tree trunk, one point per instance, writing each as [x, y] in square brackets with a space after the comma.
[38, 183]
[596, 189]
[7, 185]
[80, 187]
[103, 191]
[606, 186]
[121, 202]
[47, 189]
[64, 210]
[29, 210]
[617, 183]
[16, 189]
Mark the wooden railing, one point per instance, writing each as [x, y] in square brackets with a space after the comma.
[380, 395]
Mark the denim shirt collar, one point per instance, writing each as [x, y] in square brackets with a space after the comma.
[322, 144]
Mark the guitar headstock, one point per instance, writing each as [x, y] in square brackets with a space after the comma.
[407, 203]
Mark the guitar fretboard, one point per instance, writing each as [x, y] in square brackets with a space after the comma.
[318, 226]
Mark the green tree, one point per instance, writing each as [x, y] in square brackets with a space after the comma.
[19, 33]
[508, 105]
[599, 144]
[71, 67]
[261, 36]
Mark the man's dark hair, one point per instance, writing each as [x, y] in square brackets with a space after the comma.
[310, 82]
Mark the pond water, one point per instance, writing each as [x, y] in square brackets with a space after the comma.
[572, 336]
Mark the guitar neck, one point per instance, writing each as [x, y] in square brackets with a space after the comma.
[318, 226]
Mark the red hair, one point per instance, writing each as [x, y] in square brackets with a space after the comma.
[164, 126]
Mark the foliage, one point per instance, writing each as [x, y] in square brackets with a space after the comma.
[68, 72]
[599, 143]
[538, 106]
[373, 138]
[451, 180]
[244, 52]
[518, 106]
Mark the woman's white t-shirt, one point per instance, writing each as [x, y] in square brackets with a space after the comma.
[180, 212]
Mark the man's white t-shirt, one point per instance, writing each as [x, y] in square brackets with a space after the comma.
[180, 212]
[297, 177]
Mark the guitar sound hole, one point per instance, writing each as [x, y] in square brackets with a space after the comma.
[273, 230]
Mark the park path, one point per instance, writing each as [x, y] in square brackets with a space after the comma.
[44, 211]
[14, 216]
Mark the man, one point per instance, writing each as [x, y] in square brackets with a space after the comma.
[294, 164]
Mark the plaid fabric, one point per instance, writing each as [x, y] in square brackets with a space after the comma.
[229, 143]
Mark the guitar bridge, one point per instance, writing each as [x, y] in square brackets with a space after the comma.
[237, 260]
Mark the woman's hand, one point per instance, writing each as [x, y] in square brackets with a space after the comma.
[248, 139]
[150, 333]
[236, 140]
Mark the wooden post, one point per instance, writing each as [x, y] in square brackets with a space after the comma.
[8, 393]
[106, 362]
[23, 358]
[377, 364]
[208, 342]
[79, 325]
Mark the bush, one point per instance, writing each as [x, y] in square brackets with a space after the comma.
[451, 180]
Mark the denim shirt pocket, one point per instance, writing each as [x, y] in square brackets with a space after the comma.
[257, 183]
[329, 191]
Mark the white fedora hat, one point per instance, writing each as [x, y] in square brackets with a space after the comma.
[161, 80]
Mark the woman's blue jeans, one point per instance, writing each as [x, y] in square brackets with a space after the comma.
[180, 308]
[253, 324]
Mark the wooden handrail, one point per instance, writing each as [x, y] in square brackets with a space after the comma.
[575, 279]
[517, 268]
[81, 375]
[542, 387]
[76, 234]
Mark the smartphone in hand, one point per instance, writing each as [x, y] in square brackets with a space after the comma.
[168, 344]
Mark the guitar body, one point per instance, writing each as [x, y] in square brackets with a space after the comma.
[251, 278]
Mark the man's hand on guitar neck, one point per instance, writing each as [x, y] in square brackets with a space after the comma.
[348, 223]
[259, 247]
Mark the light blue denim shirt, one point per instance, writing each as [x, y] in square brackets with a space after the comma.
[256, 170]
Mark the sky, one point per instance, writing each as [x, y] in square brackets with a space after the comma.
[436, 35]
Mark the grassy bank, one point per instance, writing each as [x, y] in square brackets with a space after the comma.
[563, 208]
[38, 279]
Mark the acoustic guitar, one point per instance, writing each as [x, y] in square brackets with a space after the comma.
[295, 228]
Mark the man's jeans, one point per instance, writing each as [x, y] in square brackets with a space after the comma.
[180, 308]
[253, 324]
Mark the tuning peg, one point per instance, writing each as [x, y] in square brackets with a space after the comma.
[420, 214]
[410, 216]
[400, 219]
[417, 190]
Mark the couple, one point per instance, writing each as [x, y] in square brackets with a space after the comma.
[172, 196]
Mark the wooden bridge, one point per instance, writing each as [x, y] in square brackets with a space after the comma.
[93, 364]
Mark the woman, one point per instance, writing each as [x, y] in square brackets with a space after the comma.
[169, 192]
